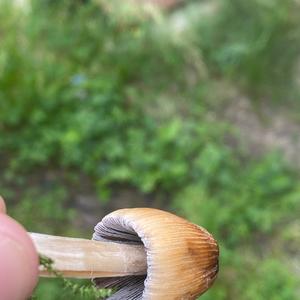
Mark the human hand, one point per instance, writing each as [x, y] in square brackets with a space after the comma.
[18, 259]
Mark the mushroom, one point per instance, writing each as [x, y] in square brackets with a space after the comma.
[142, 253]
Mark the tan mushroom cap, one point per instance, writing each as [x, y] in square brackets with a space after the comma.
[182, 258]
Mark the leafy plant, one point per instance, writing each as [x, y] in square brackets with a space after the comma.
[255, 43]
[118, 96]
[244, 206]
[76, 290]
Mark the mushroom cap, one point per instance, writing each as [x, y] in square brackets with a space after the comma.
[182, 258]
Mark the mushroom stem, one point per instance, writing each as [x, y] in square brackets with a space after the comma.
[81, 258]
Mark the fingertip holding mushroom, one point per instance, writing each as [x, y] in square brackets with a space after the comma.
[2, 206]
[18, 260]
[182, 258]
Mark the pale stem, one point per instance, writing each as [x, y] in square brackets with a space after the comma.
[81, 258]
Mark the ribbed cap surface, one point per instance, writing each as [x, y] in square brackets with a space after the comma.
[182, 257]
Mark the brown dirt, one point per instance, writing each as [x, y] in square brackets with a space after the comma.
[273, 128]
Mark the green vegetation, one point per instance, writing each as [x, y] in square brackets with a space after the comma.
[244, 205]
[255, 43]
[118, 96]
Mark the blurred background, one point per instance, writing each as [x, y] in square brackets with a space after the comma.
[188, 106]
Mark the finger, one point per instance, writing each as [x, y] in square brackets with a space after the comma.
[18, 261]
[2, 206]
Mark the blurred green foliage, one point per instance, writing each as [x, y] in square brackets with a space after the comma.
[255, 43]
[110, 92]
[244, 205]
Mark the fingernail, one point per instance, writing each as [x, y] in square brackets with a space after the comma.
[2, 206]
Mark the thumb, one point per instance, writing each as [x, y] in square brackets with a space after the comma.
[18, 259]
